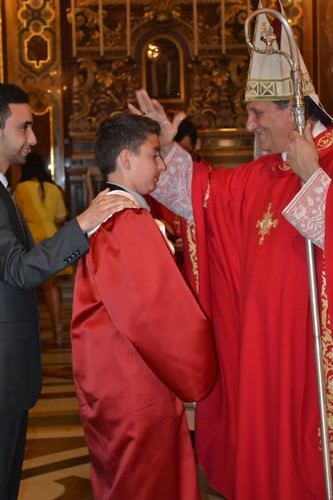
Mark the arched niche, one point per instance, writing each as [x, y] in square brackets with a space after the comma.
[163, 68]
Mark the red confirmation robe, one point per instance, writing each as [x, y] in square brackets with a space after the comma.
[258, 430]
[141, 345]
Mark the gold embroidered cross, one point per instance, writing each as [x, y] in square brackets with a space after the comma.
[266, 224]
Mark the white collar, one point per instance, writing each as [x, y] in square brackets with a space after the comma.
[3, 179]
[115, 193]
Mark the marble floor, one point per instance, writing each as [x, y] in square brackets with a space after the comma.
[56, 462]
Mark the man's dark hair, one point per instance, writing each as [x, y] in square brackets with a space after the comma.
[186, 127]
[312, 110]
[10, 94]
[121, 131]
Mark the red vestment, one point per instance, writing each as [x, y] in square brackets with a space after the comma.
[190, 249]
[141, 344]
[161, 212]
[257, 433]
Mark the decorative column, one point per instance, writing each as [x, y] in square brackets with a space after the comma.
[74, 48]
[101, 27]
[195, 28]
[223, 26]
[128, 28]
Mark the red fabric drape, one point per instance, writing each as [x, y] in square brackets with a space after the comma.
[140, 344]
[257, 432]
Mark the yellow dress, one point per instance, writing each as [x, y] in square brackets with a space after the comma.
[39, 213]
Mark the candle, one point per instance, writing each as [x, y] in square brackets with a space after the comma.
[195, 28]
[73, 28]
[128, 28]
[101, 32]
[223, 26]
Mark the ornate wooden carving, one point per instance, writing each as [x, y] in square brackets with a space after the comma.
[34, 62]
[108, 65]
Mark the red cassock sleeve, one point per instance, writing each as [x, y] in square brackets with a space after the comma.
[138, 283]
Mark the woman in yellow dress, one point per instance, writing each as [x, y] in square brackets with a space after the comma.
[42, 204]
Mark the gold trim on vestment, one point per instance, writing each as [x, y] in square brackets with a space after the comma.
[325, 141]
[192, 246]
[266, 224]
[327, 350]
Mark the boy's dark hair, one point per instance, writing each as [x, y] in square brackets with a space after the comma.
[10, 94]
[186, 127]
[121, 131]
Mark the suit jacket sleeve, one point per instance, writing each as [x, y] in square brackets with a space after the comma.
[148, 301]
[28, 268]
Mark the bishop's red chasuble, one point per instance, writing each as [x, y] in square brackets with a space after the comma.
[141, 345]
[258, 432]
[190, 249]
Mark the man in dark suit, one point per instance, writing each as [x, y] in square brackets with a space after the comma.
[23, 267]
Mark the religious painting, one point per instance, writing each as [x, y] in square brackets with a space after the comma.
[163, 69]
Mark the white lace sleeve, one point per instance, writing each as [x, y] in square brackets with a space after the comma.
[174, 188]
[306, 211]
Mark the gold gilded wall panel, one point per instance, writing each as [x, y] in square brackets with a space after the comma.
[91, 57]
[36, 33]
[1, 48]
[211, 82]
[324, 51]
[110, 49]
[33, 43]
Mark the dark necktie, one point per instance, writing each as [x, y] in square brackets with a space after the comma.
[15, 215]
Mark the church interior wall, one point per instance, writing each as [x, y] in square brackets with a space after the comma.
[82, 60]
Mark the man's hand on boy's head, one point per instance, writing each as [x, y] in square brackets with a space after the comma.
[154, 110]
[102, 207]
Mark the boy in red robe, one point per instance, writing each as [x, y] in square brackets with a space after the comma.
[141, 344]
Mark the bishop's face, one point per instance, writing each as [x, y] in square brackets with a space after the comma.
[271, 124]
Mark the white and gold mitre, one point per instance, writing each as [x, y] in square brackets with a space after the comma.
[269, 76]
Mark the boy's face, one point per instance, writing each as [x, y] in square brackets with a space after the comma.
[146, 166]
